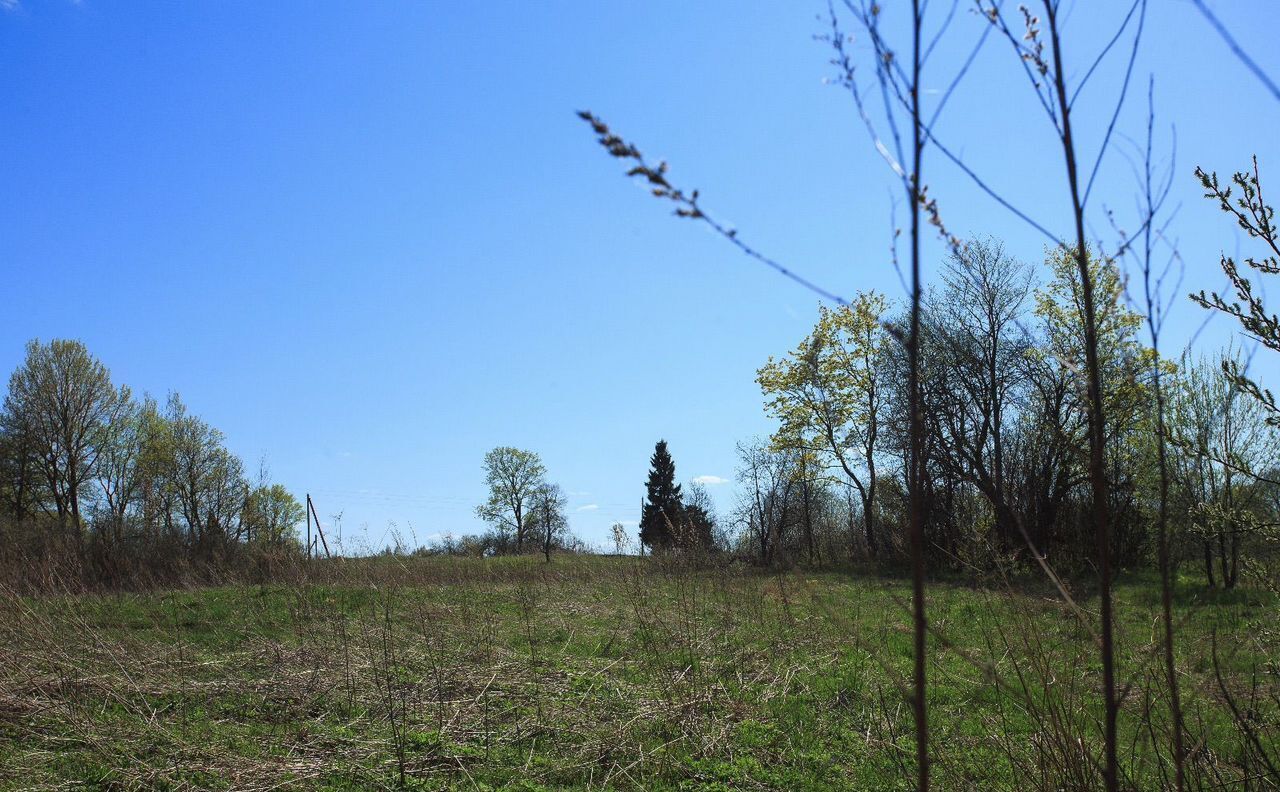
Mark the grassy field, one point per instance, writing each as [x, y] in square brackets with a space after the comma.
[607, 673]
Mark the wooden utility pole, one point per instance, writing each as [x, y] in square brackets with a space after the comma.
[311, 512]
[244, 512]
[308, 525]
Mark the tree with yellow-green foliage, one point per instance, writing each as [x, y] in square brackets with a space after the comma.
[513, 476]
[828, 395]
[1121, 357]
[1124, 365]
[272, 515]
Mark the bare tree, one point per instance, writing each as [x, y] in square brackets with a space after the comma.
[980, 342]
[767, 476]
[118, 471]
[207, 479]
[620, 539]
[549, 502]
[1156, 300]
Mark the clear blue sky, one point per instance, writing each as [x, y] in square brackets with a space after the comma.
[371, 241]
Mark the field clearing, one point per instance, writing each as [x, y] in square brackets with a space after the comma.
[603, 673]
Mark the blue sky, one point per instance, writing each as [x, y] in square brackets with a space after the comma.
[370, 242]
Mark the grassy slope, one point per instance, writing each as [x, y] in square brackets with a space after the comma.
[590, 673]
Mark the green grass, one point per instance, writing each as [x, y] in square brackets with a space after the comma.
[606, 673]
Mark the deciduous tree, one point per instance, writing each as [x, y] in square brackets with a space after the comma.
[272, 515]
[63, 397]
[978, 345]
[513, 477]
[828, 395]
[549, 518]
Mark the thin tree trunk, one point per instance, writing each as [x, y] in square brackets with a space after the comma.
[1235, 558]
[1097, 422]
[916, 421]
[869, 517]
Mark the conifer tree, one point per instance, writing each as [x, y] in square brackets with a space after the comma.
[663, 508]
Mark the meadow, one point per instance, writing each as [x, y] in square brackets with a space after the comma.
[614, 673]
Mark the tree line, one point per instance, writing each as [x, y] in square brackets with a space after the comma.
[108, 483]
[1005, 452]
[1005, 448]
[91, 472]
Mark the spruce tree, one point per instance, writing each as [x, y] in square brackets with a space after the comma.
[663, 509]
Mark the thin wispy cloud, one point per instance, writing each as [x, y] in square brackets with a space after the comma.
[9, 5]
[710, 481]
[588, 507]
